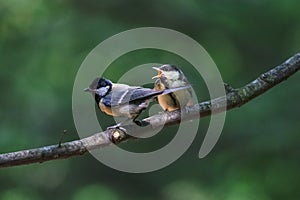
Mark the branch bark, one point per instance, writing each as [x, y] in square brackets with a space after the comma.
[234, 98]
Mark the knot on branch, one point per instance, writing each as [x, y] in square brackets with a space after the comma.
[266, 77]
[117, 135]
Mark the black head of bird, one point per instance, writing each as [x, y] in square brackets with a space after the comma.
[100, 87]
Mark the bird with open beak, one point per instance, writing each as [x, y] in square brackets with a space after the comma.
[169, 76]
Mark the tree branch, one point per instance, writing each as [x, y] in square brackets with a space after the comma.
[234, 98]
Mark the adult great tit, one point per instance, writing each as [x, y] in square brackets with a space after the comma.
[124, 100]
[169, 76]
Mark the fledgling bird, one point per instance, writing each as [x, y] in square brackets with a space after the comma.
[124, 100]
[168, 77]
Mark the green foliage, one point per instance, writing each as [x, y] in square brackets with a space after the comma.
[18, 194]
[43, 43]
[95, 192]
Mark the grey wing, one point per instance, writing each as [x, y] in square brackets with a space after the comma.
[132, 94]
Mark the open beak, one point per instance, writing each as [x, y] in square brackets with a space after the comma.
[159, 73]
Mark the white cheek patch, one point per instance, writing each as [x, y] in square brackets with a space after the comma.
[102, 91]
[171, 75]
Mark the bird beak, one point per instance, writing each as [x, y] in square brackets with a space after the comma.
[159, 72]
[88, 90]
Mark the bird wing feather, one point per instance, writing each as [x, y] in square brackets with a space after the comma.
[119, 97]
[123, 95]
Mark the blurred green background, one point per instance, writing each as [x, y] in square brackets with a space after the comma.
[42, 45]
